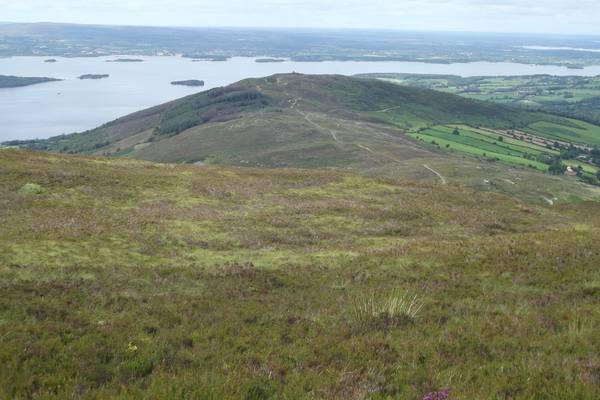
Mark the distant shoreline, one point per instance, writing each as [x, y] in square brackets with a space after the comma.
[270, 60]
[126, 60]
[10, 81]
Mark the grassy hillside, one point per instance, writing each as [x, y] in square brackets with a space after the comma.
[322, 121]
[284, 98]
[575, 96]
[126, 279]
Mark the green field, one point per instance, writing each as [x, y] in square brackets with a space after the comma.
[125, 279]
[493, 146]
[475, 142]
[591, 169]
[574, 96]
[572, 131]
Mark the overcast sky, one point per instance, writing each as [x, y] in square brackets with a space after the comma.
[559, 16]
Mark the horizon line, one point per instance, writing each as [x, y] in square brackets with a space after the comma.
[309, 28]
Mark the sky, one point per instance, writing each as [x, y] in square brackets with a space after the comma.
[544, 16]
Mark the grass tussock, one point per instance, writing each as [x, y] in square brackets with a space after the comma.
[376, 310]
[31, 189]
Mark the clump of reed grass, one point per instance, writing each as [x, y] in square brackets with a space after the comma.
[377, 310]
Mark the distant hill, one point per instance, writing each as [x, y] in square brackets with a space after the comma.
[279, 113]
[305, 121]
[9, 81]
[572, 96]
[307, 45]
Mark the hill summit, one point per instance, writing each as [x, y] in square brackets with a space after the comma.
[332, 121]
[284, 120]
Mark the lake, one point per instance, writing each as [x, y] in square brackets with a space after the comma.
[73, 105]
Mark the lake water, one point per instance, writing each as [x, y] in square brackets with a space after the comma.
[73, 105]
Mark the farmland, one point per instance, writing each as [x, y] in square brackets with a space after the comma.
[537, 143]
[574, 96]
[512, 147]
[481, 143]
[577, 132]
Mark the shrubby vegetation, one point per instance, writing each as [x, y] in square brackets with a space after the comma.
[124, 279]
[214, 105]
[557, 168]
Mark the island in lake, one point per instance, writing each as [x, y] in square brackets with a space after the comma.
[269, 60]
[191, 82]
[126, 60]
[9, 81]
[94, 76]
[205, 57]
[50, 60]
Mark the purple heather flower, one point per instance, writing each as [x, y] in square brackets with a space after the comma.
[441, 395]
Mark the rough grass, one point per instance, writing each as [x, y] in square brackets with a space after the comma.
[382, 311]
[31, 189]
[125, 279]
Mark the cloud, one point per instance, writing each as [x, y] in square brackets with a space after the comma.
[487, 15]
